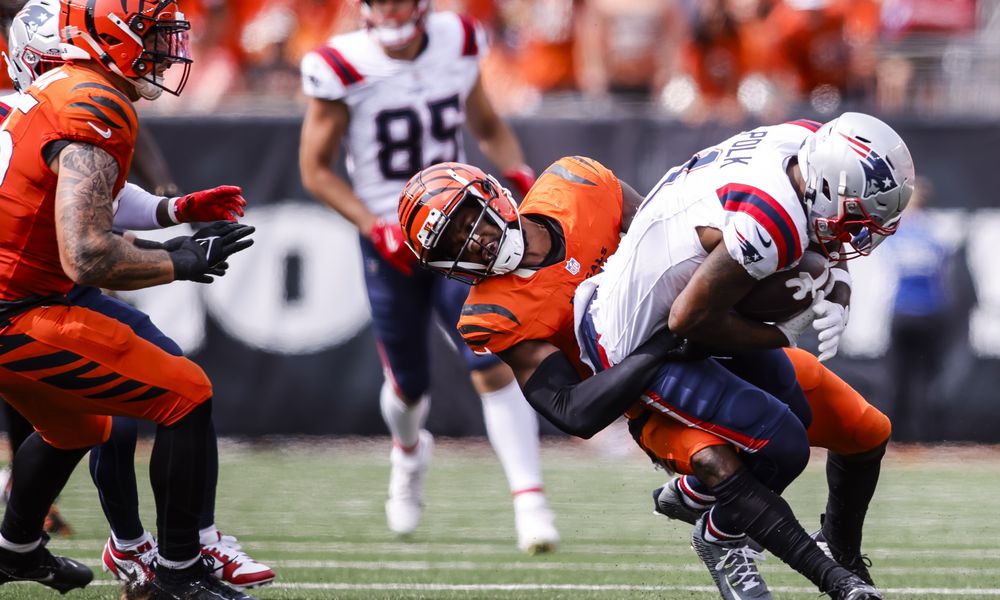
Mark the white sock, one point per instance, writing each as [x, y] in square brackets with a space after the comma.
[19, 548]
[176, 565]
[208, 535]
[125, 545]
[404, 422]
[512, 427]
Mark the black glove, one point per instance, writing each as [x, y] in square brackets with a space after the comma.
[199, 256]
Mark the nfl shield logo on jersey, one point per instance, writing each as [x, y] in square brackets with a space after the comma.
[573, 266]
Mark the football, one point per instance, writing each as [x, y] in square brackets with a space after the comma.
[770, 300]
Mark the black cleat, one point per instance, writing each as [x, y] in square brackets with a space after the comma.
[855, 563]
[853, 588]
[193, 583]
[41, 566]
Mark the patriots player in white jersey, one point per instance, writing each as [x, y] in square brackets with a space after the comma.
[732, 215]
[396, 94]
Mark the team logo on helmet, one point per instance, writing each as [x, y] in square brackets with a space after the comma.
[35, 18]
[878, 173]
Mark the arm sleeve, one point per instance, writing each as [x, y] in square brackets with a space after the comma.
[136, 209]
[582, 408]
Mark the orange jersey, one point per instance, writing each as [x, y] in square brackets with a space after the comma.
[69, 103]
[585, 198]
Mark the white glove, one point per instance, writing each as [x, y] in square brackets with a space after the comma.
[793, 328]
[830, 323]
[804, 284]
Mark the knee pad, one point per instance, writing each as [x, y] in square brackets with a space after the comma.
[783, 458]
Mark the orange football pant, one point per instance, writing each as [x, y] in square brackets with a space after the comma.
[69, 369]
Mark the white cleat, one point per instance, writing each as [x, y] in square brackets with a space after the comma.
[536, 530]
[405, 505]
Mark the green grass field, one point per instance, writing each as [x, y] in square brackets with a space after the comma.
[313, 510]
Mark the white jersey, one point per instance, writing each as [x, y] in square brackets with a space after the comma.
[404, 115]
[739, 187]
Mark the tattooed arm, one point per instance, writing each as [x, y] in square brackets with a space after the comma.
[88, 250]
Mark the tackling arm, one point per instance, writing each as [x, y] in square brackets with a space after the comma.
[582, 407]
[90, 253]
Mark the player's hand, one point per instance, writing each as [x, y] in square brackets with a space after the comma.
[200, 256]
[793, 328]
[387, 237]
[224, 203]
[831, 320]
[522, 178]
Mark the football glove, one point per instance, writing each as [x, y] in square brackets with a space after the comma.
[831, 320]
[793, 328]
[200, 256]
[224, 203]
[387, 237]
[522, 178]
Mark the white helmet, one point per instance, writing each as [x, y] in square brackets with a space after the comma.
[398, 36]
[33, 41]
[859, 177]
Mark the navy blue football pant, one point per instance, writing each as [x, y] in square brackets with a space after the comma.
[751, 400]
[402, 307]
[112, 464]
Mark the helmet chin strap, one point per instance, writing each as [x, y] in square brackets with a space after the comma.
[395, 38]
[147, 89]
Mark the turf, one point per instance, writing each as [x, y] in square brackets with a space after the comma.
[313, 510]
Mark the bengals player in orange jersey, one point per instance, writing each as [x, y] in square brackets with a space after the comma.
[65, 364]
[525, 265]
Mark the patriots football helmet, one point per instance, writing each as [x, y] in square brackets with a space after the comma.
[859, 177]
[33, 40]
[429, 206]
[136, 39]
[394, 37]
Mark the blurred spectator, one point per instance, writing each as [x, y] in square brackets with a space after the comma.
[531, 52]
[823, 51]
[916, 35]
[627, 49]
[716, 56]
[920, 326]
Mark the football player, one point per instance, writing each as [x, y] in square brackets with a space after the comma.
[502, 330]
[72, 355]
[397, 94]
[754, 203]
[35, 48]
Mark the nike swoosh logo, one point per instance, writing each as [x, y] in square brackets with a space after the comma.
[104, 133]
[208, 242]
[763, 240]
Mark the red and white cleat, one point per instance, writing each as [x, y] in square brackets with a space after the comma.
[134, 566]
[231, 565]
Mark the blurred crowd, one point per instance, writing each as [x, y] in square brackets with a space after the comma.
[727, 59]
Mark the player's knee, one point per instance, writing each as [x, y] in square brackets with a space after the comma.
[872, 430]
[714, 464]
[784, 457]
[411, 386]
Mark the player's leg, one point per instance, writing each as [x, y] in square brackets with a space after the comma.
[511, 426]
[401, 313]
[130, 550]
[740, 503]
[855, 434]
[105, 368]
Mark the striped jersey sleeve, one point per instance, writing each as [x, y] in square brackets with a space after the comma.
[759, 233]
[327, 74]
[100, 115]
